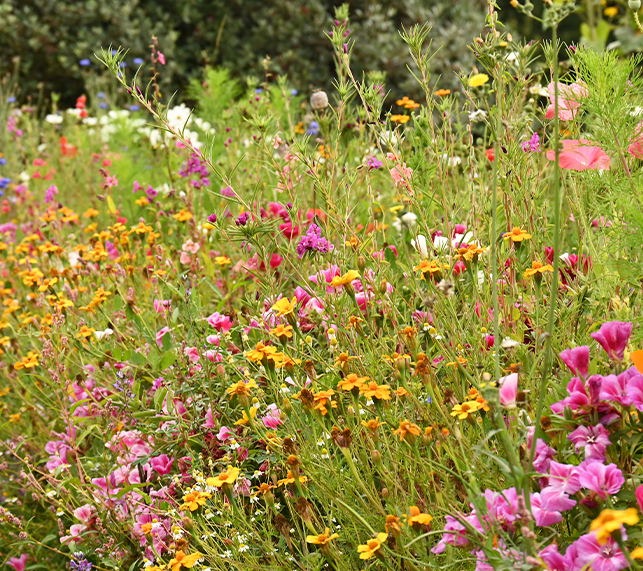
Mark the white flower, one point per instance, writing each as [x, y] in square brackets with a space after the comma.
[509, 343]
[179, 116]
[75, 112]
[103, 334]
[513, 56]
[409, 219]
[420, 245]
[41, 148]
[637, 111]
[537, 89]
[24, 177]
[91, 121]
[54, 119]
[440, 243]
[477, 115]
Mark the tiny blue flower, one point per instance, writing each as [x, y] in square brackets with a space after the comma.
[11, 99]
[123, 64]
[134, 107]
[4, 182]
[294, 92]
[103, 105]
[258, 90]
[3, 161]
[84, 62]
[100, 95]
[138, 61]
[429, 400]
[313, 128]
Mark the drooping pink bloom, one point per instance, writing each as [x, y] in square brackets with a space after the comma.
[224, 434]
[577, 360]
[604, 480]
[593, 439]
[273, 417]
[589, 554]
[162, 464]
[19, 563]
[508, 389]
[161, 333]
[554, 560]
[544, 453]
[613, 337]
[569, 100]
[209, 418]
[580, 155]
[547, 506]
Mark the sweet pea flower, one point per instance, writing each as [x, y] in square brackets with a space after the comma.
[19, 563]
[593, 439]
[159, 336]
[220, 322]
[162, 464]
[604, 480]
[85, 513]
[580, 155]
[508, 390]
[162, 305]
[613, 337]
[577, 360]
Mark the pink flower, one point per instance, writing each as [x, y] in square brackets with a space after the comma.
[594, 439]
[85, 513]
[547, 505]
[508, 389]
[636, 146]
[192, 353]
[579, 155]
[162, 464]
[19, 563]
[601, 479]
[569, 100]
[577, 398]
[160, 58]
[554, 560]
[577, 360]
[589, 554]
[220, 322]
[137, 187]
[185, 258]
[160, 335]
[273, 417]
[213, 340]
[564, 477]
[224, 434]
[162, 305]
[401, 175]
[454, 535]
[639, 496]
[209, 418]
[613, 337]
[544, 453]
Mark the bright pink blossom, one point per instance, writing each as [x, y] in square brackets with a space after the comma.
[569, 100]
[593, 439]
[601, 479]
[613, 337]
[162, 464]
[589, 554]
[508, 389]
[19, 563]
[220, 322]
[577, 360]
[580, 155]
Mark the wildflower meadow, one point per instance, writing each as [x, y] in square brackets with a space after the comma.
[333, 330]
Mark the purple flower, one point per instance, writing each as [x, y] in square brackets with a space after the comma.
[195, 166]
[577, 360]
[532, 145]
[243, 219]
[601, 479]
[613, 337]
[50, 193]
[312, 241]
[212, 218]
[151, 192]
[594, 439]
[227, 191]
[373, 163]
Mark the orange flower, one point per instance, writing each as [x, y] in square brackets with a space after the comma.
[517, 234]
[183, 560]
[537, 269]
[442, 92]
[372, 547]
[182, 215]
[375, 391]
[322, 538]
[430, 267]
[290, 479]
[282, 331]
[416, 517]
[400, 119]
[284, 306]
[257, 354]
[351, 382]
[404, 101]
[343, 359]
[393, 524]
[405, 428]
[193, 500]
[242, 388]
[470, 253]
[372, 424]
[228, 476]
[322, 398]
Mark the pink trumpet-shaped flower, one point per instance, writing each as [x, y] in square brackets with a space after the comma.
[580, 155]
[577, 360]
[508, 389]
[569, 100]
[613, 337]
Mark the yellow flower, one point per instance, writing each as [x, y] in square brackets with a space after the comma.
[85, 332]
[470, 253]
[478, 79]
[284, 306]
[351, 382]
[242, 388]
[463, 410]
[182, 215]
[228, 476]
[400, 119]
[346, 279]
[611, 520]
[611, 11]
[375, 391]
[282, 331]
[637, 553]
[290, 479]
[222, 261]
[322, 538]
[257, 355]
[537, 269]
[430, 267]
[90, 213]
[517, 234]
[193, 500]
[245, 419]
[372, 547]
[183, 560]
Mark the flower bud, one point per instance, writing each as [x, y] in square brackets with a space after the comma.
[361, 263]
[385, 493]
[376, 457]
[634, 4]
[319, 100]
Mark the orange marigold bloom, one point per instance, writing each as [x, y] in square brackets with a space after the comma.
[375, 391]
[322, 538]
[351, 382]
[430, 267]
[282, 331]
[372, 547]
[193, 500]
[537, 269]
[182, 560]
[517, 234]
[182, 215]
[259, 352]
[463, 410]
[372, 424]
[470, 253]
[393, 524]
[321, 399]
[343, 359]
[284, 306]
[416, 517]
[290, 479]
[407, 427]
[242, 388]
[228, 476]
[442, 92]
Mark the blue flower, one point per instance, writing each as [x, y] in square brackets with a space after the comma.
[429, 400]
[313, 128]
[258, 90]
[85, 62]
[4, 182]
[11, 99]
[293, 92]
[134, 107]
[138, 61]
[100, 95]
[3, 161]
[103, 105]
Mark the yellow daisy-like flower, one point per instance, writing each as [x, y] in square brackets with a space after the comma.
[228, 476]
[611, 520]
[517, 234]
[372, 547]
[463, 410]
[183, 560]
[322, 538]
[193, 500]
[346, 279]
[537, 269]
[284, 306]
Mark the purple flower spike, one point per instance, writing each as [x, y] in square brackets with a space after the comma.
[577, 360]
[613, 337]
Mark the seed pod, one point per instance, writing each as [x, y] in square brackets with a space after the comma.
[319, 100]
[634, 4]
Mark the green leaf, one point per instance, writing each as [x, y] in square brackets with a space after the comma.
[168, 360]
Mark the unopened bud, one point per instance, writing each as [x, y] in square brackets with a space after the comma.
[634, 4]
[376, 457]
[385, 493]
[361, 263]
[319, 100]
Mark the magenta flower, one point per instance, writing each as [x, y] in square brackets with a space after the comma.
[508, 389]
[19, 563]
[544, 507]
[594, 439]
[455, 537]
[639, 496]
[589, 554]
[577, 360]
[220, 322]
[601, 479]
[580, 155]
[161, 333]
[554, 560]
[564, 477]
[613, 337]
[85, 513]
[162, 464]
